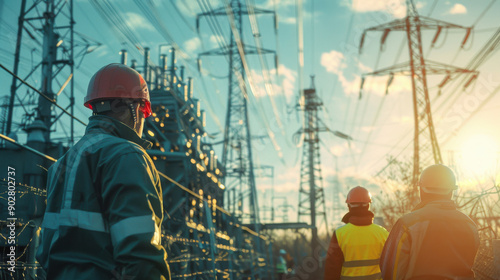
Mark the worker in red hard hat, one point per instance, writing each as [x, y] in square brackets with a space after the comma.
[355, 247]
[435, 240]
[104, 199]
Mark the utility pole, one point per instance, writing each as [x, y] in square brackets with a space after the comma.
[425, 140]
[311, 192]
[237, 158]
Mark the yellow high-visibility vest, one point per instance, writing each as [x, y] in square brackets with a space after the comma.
[362, 247]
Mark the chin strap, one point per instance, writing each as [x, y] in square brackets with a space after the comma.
[132, 111]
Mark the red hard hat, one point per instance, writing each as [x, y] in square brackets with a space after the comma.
[359, 195]
[118, 81]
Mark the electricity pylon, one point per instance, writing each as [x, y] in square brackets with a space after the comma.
[237, 158]
[418, 67]
[311, 192]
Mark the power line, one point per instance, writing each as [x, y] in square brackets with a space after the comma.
[265, 68]
[8, 139]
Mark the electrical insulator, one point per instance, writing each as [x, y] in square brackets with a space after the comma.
[445, 81]
[389, 82]
[469, 82]
[361, 42]
[466, 38]
[384, 38]
[361, 87]
[198, 62]
[275, 23]
[436, 36]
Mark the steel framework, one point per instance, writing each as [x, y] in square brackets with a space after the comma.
[418, 67]
[237, 158]
[311, 192]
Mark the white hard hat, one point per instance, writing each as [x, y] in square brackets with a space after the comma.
[437, 179]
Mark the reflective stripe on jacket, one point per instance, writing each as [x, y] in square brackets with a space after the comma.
[435, 241]
[361, 247]
[281, 265]
[104, 209]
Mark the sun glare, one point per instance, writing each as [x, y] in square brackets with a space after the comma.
[479, 155]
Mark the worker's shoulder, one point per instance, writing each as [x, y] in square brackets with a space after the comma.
[112, 146]
[435, 212]
[379, 228]
[342, 227]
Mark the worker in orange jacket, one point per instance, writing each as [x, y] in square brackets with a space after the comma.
[434, 241]
[355, 247]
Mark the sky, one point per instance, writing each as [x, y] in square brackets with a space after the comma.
[380, 124]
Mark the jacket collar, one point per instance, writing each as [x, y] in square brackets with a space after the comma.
[109, 125]
[443, 204]
[359, 219]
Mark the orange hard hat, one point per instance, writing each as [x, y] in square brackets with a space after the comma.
[118, 81]
[359, 195]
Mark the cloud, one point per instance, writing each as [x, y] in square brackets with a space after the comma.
[214, 39]
[286, 10]
[192, 44]
[188, 8]
[136, 21]
[397, 8]
[458, 9]
[286, 76]
[333, 62]
[102, 51]
[378, 85]
[340, 149]
[287, 20]
[402, 119]
[270, 4]
[364, 68]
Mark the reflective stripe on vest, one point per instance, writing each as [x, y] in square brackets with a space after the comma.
[375, 276]
[361, 263]
[361, 247]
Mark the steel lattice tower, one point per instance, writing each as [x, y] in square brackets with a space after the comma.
[311, 193]
[425, 143]
[237, 158]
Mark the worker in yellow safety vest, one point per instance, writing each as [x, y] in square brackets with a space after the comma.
[355, 247]
[281, 268]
